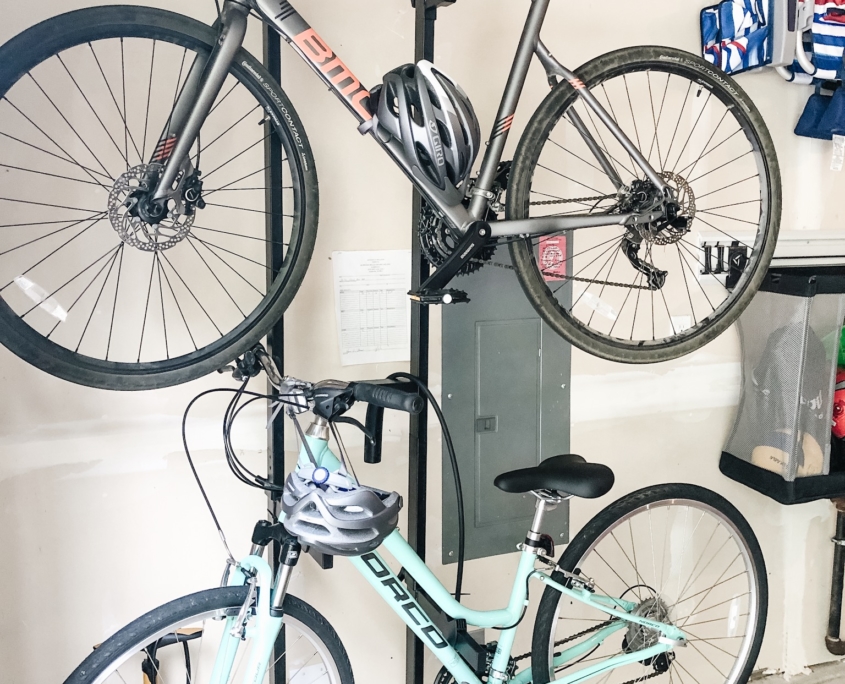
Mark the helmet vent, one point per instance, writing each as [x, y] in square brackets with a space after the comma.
[434, 99]
[445, 136]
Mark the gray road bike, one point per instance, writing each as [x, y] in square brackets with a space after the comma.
[641, 207]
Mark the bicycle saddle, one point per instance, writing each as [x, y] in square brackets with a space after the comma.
[567, 474]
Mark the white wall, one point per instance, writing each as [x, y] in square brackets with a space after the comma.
[100, 519]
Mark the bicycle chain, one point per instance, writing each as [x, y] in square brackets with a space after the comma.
[630, 286]
[610, 283]
[574, 200]
[598, 627]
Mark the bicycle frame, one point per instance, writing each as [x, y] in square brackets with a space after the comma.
[379, 575]
[205, 81]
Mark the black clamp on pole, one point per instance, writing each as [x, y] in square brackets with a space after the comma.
[434, 4]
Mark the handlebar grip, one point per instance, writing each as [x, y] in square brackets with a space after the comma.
[388, 397]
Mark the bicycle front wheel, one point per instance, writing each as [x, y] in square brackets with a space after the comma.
[92, 288]
[685, 556]
[642, 293]
[193, 627]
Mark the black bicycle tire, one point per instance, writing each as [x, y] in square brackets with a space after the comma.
[526, 157]
[186, 607]
[38, 43]
[603, 521]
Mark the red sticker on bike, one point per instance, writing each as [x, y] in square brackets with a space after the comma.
[552, 257]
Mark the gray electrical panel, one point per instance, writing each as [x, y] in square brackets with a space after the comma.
[506, 388]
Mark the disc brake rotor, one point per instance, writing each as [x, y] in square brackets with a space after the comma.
[132, 229]
[685, 200]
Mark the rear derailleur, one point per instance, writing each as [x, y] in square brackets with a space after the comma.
[669, 230]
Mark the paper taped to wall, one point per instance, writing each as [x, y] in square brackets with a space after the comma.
[372, 307]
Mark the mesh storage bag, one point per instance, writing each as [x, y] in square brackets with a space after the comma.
[781, 442]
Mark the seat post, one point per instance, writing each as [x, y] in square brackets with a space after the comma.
[536, 525]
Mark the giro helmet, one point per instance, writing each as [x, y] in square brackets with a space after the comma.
[433, 119]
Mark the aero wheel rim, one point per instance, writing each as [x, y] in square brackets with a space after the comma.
[307, 658]
[607, 281]
[118, 292]
[712, 593]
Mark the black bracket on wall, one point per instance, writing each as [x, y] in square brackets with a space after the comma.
[276, 338]
[425, 16]
[434, 4]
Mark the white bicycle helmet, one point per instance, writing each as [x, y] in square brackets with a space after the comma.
[434, 120]
[339, 522]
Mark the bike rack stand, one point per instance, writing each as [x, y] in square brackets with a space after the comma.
[276, 337]
[425, 17]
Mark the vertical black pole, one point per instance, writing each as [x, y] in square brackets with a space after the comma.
[833, 641]
[418, 456]
[273, 155]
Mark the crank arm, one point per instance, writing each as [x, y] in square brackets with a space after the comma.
[473, 241]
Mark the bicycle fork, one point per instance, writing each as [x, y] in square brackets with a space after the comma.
[202, 86]
[263, 609]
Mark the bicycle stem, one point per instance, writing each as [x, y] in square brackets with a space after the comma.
[233, 23]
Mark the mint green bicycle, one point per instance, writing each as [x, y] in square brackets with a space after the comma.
[666, 582]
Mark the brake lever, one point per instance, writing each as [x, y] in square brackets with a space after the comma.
[352, 421]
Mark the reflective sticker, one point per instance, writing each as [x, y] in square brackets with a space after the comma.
[552, 257]
[40, 296]
[601, 307]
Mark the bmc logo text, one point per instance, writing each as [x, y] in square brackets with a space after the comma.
[411, 607]
[318, 53]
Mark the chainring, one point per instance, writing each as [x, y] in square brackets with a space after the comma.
[438, 243]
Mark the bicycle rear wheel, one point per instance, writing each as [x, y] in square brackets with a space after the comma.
[685, 556]
[99, 295]
[646, 293]
[312, 651]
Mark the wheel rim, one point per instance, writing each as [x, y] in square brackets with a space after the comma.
[704, 145]
[307, 658]
[691, 559]
[97, 299]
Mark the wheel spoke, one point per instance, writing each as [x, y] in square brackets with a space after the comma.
[120, 113]
[67, 156]
[51, 175]
[231, 268]
[93, 111]
[70, 280]
[239, 235]
[70, 125]
[55, 232]
[57, 249]
[193, 296]
[114, 259]
[108, 263]
[147, 106]
[147, 305]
